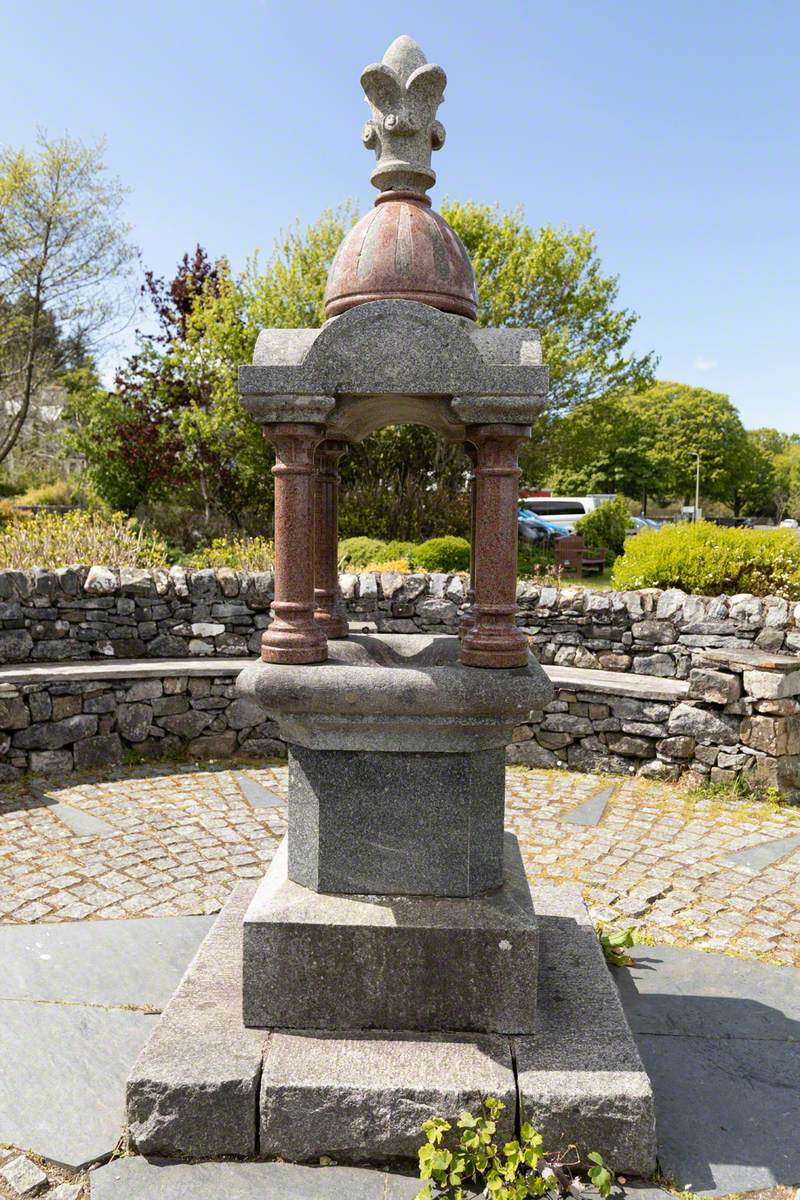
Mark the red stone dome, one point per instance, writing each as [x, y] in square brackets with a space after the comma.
[402, 250]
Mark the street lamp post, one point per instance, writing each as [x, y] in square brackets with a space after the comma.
[696, 455]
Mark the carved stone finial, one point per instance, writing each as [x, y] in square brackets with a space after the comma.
[404, 92]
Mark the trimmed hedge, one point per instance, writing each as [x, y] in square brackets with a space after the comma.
[358, 552]
[710, 560]
[441, 554]
[437, 554]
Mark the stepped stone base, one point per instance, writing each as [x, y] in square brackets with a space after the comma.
[361, 1097]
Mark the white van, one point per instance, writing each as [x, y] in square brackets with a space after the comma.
[563, 510]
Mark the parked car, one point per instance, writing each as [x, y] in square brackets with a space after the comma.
[640, 523]
[536, 530]
[566, 510]
[790, 523]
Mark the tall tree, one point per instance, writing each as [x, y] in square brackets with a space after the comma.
[64, 257]
[605, 445]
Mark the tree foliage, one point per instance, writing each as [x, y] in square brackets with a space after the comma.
[553, 280]
[644, 445]
[176, 426]
[64, 261]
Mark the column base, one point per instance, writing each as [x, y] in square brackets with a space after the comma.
[294, 646]
[333, 624]
[505, 647]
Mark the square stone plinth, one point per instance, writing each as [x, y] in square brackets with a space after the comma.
[318, 961]
[382, 823]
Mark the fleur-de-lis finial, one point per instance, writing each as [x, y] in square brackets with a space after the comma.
[404, 92]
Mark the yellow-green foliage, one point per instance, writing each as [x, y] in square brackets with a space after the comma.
[79, 538]
[60, 492]
[709, 560]
[243, 554]
[356, 553]
[393, 564]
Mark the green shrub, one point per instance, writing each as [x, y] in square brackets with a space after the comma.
[709, 560]
[534, 561]
[242, 554]
[441, 554]
[606, 526]
[61, 492]
[356, 553]
[79, 538]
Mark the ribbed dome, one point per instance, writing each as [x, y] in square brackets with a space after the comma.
[402, 250]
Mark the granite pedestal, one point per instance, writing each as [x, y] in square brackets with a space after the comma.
[361, 1096]
[392, 823]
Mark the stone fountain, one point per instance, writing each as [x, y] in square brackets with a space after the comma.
[392, 964]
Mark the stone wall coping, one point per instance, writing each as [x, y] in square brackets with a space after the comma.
[749, 660]
[616, 683]
[120, 668]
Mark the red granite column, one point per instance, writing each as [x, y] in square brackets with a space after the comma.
[329, 610]
[468, 617]
[494, 640]
[294, 636]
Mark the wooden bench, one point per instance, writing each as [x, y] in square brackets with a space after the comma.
[572, 554]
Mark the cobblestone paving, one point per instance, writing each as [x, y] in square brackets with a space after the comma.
[181, 838]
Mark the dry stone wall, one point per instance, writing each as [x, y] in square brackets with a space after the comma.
[739, 715]
[63, 725]
[83, 613]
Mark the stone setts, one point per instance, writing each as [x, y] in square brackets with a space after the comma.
[80, 613]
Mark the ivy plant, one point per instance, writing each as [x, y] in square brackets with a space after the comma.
[514, 1171]
[614, 943]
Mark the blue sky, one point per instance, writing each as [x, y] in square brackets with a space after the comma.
[669, 127]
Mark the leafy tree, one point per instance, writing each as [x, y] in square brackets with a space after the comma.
[552, 280]
[776, 486]
[605, 445]
[166, 432]
[64, 258]
[605, 527]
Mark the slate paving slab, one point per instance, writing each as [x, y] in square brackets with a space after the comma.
[111, 963]
[82, 823]
[720, 1038]
[68, 1037]
[591, 811]
[138, 1179]
[23, 1176]
[258, 795]
[756, 858]
[62, 1087]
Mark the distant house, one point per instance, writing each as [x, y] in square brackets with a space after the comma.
[39, 446]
